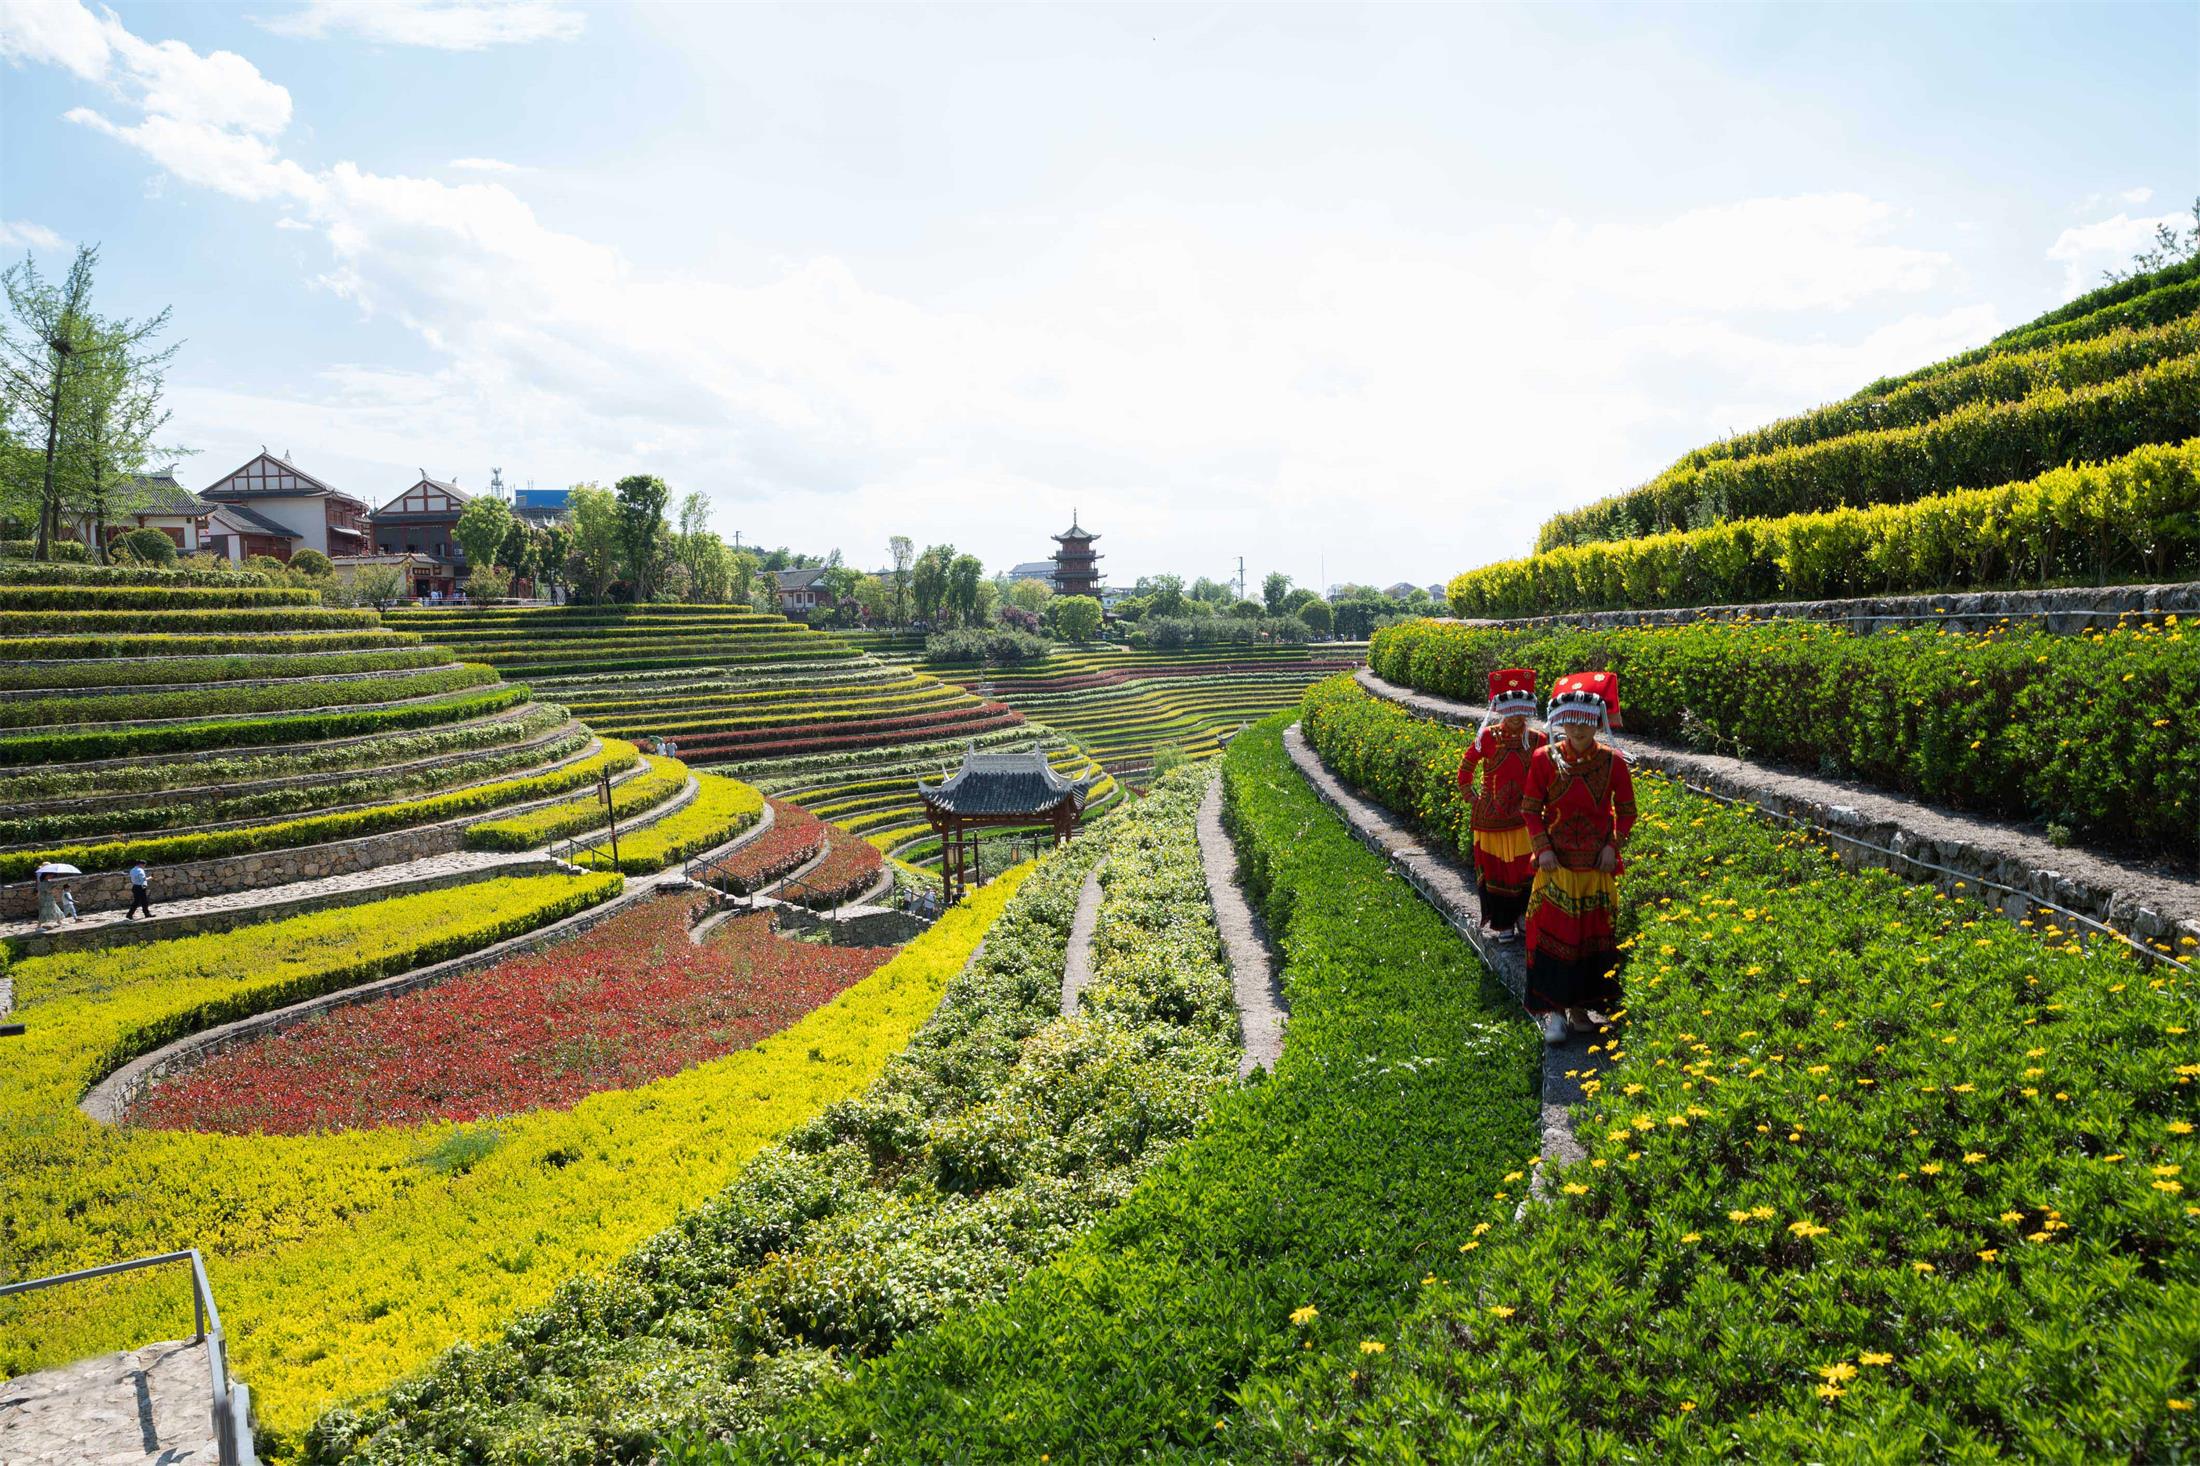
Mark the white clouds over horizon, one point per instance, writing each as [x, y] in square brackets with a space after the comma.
[23, 233]
[444, 25]
[1199, 372]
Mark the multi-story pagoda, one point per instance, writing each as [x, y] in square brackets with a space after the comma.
[1076, 567]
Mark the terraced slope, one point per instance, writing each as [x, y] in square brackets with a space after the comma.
[798, 713]
[1124, 706]
[235, 736]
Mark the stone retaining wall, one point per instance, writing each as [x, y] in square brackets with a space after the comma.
[2075, 608]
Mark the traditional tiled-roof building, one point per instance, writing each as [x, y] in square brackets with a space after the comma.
[423, 522]
[322, 517]
[1076, 566]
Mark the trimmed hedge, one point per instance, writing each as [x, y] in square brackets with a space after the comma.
[2132, 517]
[46, 573]
[42, 748]
[985, 1148]
[1308, 1210]
[1979, 445]
[345, 824]
[152, 673]
[1873, 1175]
[282, 618]
[73, 648]
[219, 701]
[63, 552]
[660, 780]
[2090, 731]
[721, 809]
[184, 597]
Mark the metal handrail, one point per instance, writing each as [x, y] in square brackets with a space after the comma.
[232, 1401]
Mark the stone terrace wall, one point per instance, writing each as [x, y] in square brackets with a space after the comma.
[2076, 608]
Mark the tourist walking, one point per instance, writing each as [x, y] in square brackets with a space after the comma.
[49, 905]
[1504, 859]
[68, 901]
[1579, 806]
[141, 898]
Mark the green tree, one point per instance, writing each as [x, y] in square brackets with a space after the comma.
[481, 529]
[378, 586]
[55, 351]
[594, 558]
[1077, 618]
[1212, 592]
[1030, 595]
[965, 573]
[118, 414]
[153, 547]
[904, 552]
[1274, 586]
[308, 562]
[1315, 613]
[551, 554]
[742, 573]
[1163, 594]
[513, 553]
[928, 580]
[642, 498]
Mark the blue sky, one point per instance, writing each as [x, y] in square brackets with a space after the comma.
[1358, 291]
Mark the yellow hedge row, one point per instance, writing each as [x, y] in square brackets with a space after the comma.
[342, 1262]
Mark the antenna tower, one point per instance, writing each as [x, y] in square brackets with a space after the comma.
[496, 484]
[1241, 578]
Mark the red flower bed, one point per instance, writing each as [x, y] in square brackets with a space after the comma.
[631, 1001]
[877, 734]
[795, 838]
[849, 869]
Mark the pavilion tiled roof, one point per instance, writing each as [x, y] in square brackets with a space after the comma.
[158, 493]
[1003, 784]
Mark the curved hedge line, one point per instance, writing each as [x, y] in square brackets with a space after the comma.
[41, 748]
[152, 673]
[291, 618]
[2090, 731]
[986, 1147]
[94, 597]
[2134, 516]
[721, 809]
[2006, 376]
[660, 780]
[73, 648]
[219, 701]
[1979, 445]
[345, 824]
[1873, 1175]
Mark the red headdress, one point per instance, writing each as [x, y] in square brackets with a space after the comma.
[1585, 697]
[1512, 690]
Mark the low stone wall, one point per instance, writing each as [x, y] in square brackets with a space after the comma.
[2075, 608]
[69, 939]
[2003, 865]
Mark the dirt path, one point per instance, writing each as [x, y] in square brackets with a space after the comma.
[1262, 1013]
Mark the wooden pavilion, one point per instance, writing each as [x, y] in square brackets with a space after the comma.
[996, 791]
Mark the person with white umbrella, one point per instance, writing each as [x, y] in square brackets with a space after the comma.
[54, 899]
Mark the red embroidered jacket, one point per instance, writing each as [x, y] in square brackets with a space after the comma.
[1504, 762]
[1578, 809]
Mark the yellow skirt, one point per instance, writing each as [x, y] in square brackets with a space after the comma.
[1512, 844]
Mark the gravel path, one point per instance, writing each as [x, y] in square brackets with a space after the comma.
[1261, 1010]
[2151, 905]
[148, 1406]
[1449, 887]
[1077, 960]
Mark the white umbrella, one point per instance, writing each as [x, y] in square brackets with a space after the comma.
[56, 868]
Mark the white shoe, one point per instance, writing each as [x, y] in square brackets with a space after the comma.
[1554, 1028]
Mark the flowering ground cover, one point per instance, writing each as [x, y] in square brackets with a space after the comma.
[850, 868]
[997, 1137]
[343, 1260]
[630, 1001]
[796, 836]
[1873, 1174]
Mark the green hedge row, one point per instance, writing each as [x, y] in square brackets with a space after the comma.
[62, 552]
[43, 573]
[291, 618]
[87, 673]
[984, 1149]
[660, 779]
[346, 824]
[1307, 1212]
[2134, 517]
[71, 648]
[1873, 1175]
[2003, 377]
[1976, 446]
[42, 748]
[83, 597]
[77, 824]
[2091, 732]
[219, 701]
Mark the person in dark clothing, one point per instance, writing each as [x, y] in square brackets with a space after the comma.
[141, 898]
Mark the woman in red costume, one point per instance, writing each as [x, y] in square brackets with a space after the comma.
[1579, 806]
[1504, 863]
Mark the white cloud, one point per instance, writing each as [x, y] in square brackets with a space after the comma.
[486, 165]
[56, 32]
[21, 232]
[1810, 252]
[445, 25]
[2086, 250]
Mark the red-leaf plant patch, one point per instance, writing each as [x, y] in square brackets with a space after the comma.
[631, 1001]
[795, 838]
[849, 869]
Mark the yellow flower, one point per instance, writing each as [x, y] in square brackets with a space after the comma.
[1692, 1236]
[1925, 1267]
[1988, 1254]
[1874, 1360]
[1306, 1315]
[1500, 1310]
[1687, 1405]
[1807, 1229]
[2168, 1170]
[1838, 1374]
[1830, 1392]
[2172, 1187]
[1930, 1168]
[1373, 1346]
[1761, 1213]
[1429, 1281]
[2180, 1404]
[1575, 1188]
[1480, 1228]
[1973, 1157]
